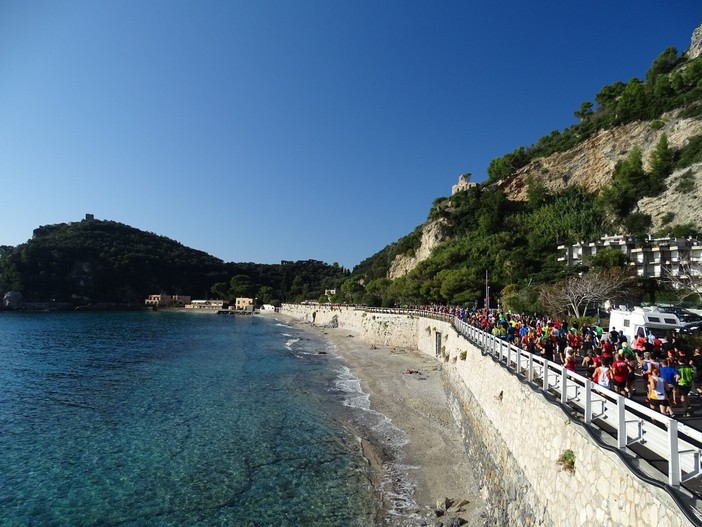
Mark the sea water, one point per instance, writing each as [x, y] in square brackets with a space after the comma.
[178, 419]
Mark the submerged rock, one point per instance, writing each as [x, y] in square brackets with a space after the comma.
[333, 323]
[12, 300]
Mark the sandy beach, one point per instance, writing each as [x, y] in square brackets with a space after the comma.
[407, 388]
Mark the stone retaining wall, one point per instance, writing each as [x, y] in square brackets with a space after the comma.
[514, 437]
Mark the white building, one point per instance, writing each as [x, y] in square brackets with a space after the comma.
[205, 304]
[655, 258]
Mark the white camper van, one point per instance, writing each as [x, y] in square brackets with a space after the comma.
[646, 319]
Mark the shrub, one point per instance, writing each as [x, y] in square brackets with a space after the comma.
[567, 460]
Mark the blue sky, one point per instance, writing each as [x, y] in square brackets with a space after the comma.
[270, 130]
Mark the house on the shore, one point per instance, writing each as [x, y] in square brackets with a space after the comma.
[244, 304]
[162, 300]
[205, 305]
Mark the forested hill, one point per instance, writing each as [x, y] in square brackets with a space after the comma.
[94, 261]
[631, 164]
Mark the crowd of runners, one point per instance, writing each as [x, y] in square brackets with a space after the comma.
[670, 371]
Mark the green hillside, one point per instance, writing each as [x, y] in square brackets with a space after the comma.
[94, 261]
[516, 242]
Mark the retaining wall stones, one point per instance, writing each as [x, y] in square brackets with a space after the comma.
[513, 436]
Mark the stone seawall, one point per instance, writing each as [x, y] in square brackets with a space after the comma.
[513, 435]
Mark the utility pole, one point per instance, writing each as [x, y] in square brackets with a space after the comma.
[487, 291]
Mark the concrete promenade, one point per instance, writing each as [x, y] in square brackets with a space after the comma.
[519, 417]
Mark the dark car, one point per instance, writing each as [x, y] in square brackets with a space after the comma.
[684, 315]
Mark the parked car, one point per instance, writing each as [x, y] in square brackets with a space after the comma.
[685, 315]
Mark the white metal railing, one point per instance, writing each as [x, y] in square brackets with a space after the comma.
[678, 444]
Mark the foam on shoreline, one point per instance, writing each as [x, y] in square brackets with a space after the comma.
[404, 427]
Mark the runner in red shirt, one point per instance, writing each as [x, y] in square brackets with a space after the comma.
[621, 375]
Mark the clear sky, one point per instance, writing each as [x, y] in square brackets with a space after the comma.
[268, 130]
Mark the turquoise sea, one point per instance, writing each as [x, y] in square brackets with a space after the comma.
[177, 419]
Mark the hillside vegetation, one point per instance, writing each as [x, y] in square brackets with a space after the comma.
[511, 225]
[634, 154]
[93, 261]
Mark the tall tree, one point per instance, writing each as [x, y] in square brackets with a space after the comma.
[632, 102]
[663, 63]
[240, 286]
[577, 293]
[662, 162]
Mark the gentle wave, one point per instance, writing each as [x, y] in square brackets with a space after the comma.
[397, 483]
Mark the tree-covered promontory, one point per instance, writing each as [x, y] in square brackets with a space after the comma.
[94, 261]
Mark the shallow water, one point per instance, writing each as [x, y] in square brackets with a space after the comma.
[175, 419]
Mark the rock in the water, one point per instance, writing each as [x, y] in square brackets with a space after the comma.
[444, 503]
[12, 300]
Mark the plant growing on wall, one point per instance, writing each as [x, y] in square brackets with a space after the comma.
[567, 460]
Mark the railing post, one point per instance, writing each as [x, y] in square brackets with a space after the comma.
[588, 401]
[531, 368]
[621, 422]
[564, 385]
[519, 360]
[673, 454]
[544, 370]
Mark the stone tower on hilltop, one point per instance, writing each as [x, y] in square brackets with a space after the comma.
[464, 183]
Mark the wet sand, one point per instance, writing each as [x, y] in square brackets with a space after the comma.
[407, 387]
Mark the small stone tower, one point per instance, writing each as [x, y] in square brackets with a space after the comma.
[464, 183]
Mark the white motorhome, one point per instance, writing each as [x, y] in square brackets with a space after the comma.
[646, 319]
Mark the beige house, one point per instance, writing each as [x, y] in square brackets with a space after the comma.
[243, 303]
[158, 300]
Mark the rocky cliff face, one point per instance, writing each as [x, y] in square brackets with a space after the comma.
[591, 165]
[431, 237]
[695, 44]
[677, 206]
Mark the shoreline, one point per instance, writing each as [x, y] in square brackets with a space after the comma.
[407, 389]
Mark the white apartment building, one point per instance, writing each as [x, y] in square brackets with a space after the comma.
[655, 258]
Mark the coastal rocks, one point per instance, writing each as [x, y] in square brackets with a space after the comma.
[451, 512]
[431, 237]
[12, 300]
[333, 323]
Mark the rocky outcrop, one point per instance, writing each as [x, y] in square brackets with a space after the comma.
[431, 237]
[677, 205]
[12, 300]
[591, 163]
[695, 44]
